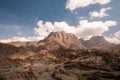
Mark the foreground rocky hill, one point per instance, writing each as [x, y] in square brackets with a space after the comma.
[60, 56]
[66, 65]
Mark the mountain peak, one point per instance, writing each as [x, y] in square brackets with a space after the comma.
[60, 36]
[63, 40]
[96, 42]
[97, 38]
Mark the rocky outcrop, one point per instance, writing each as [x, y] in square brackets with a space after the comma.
[61, 40]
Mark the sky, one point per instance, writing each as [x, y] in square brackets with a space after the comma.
[33, 20]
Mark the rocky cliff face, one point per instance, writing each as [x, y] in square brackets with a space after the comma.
[61, 40]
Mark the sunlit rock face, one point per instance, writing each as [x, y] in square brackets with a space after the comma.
[58, 40]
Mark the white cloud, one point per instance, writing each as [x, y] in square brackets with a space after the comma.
[73, 4]
[35, 38]
[115, 38]
[117, 35]
[15, 39]
[44, 29]
[84, 29]
[87, 29]
[63, 26]
[102, 13]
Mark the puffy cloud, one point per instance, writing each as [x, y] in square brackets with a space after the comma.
[102, 13]
[73, 4]
[44, 29]
[84, 29]
[115, 38]
[87, 29]
[63, 26]
[117, 35]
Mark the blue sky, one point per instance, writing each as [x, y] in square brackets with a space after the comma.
[18, 18]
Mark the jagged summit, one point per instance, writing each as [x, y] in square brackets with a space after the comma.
[62, 39]
[98, 39]
[61, 36]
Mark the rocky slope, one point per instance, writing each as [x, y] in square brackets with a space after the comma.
[66, 65]
[10, 51]
[61, 40]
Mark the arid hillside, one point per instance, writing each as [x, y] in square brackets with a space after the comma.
[60, 56]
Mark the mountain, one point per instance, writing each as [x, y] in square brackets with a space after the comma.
[61, 40]
[97, 42]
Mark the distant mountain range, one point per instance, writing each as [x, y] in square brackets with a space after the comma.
[97, 42]
[59, 40]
